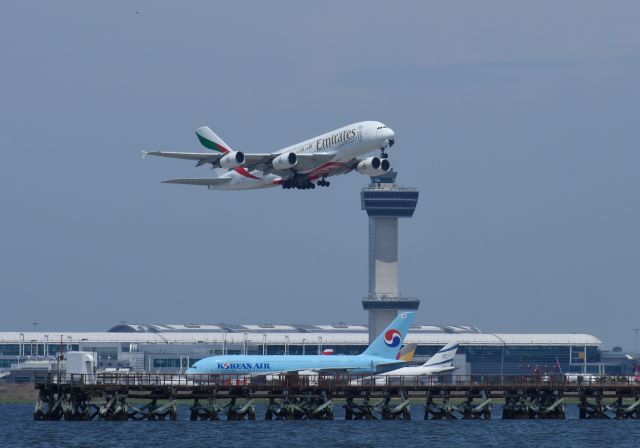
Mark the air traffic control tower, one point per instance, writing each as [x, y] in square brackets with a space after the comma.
[385, 202]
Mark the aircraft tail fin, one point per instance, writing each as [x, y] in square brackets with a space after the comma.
[388, 343]
[210, 139]
[407, 353]
[444, 357]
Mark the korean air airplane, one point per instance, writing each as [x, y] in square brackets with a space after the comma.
[301, 166]
[379, 357]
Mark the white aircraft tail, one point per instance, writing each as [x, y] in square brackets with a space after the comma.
[210, 139]
[444, 357]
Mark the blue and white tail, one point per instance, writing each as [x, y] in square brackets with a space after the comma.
[444, 357]
[388, 343]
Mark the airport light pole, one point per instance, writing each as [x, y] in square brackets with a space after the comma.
[224, 342]
[636, 331]
[304, 340]
[502, 353]
[246, 349]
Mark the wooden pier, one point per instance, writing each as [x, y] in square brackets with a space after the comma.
[313, 397]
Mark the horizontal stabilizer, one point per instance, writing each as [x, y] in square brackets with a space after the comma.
[216, 181]
[185, 155]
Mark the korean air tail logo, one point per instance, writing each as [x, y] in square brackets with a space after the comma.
[392, 338]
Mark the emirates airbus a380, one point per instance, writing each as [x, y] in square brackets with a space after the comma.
[302, 166]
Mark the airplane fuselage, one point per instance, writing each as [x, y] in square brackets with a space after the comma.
[348, 143]
[258, 365]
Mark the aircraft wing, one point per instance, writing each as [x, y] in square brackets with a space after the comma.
[382, 366]
[215, 181]
[252, 162]
[306, 162]
[347, 168]
[323, 370]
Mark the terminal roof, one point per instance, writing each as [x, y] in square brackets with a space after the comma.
[325, 338]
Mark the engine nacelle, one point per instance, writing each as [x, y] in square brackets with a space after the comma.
[285, 161]
[232, 159]
[373, 166]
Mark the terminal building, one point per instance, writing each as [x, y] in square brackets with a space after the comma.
[173, 348]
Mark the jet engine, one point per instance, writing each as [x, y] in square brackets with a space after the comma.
[373, 166]
[232, 159]
[285, 161]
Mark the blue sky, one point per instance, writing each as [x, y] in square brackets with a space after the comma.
[518, 121]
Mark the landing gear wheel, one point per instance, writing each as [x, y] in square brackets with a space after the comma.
[383, 154]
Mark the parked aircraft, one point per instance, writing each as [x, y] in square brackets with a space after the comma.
[379, 357]
[302, 166]
[440, 363]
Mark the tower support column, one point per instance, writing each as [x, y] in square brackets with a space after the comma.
[383, 257]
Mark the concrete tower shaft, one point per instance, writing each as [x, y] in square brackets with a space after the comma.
[383, 257]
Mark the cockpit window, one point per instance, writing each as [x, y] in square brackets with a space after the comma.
[381, 127]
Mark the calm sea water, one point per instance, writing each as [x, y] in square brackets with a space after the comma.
[17, 429]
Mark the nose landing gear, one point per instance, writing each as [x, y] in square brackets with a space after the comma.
[388, 144]
[324, 182]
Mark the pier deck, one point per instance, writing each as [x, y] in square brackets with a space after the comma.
[111, 396]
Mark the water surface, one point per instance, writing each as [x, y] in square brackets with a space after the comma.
[17, 429]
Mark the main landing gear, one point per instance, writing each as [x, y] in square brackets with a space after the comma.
[300, 184]
[303, 183]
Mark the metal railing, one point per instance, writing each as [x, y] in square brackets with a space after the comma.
[343, 382]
